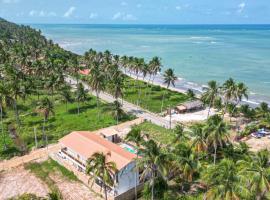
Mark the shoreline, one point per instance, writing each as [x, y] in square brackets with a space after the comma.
[182, 86]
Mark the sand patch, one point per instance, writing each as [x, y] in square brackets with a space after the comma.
[19, 181]
[72, 190]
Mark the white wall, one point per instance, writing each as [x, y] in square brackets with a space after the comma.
[126, 178]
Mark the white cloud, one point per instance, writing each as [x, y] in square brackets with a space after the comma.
[178, 7]
[93, 15]
[124, 16]
[10, 1]
[129, 17]
[117, 15]
[70, 11]
[139, 5]
[241, 7]
[41, 13]
[123, 3]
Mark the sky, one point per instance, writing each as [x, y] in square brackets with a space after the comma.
[137, 11]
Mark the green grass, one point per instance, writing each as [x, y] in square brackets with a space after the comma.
[150, 98]
[58, 125]
[158, 133]
[45, 169]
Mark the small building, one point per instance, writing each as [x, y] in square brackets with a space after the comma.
[85, 72]
[79, 146]
[189, 106]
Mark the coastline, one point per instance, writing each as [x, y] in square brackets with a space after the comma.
[181, 86]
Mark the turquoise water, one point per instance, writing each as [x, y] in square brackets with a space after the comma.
[198, 53]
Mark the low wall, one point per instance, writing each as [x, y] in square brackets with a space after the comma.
[130, 194]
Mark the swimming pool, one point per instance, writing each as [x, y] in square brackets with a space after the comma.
[128, 148]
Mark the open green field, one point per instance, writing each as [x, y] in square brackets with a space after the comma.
[158, 133]
[61, 123]
[150, 96]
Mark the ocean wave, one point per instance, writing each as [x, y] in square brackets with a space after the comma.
[201, 38]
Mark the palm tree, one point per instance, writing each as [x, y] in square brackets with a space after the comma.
[229, 92]
[117, 83]
[199, 138]
[135, 136]
[97, 80]
[154, 67]
[190, 94]
[224, 182]
[217, 133]
[3, 101]
[184, 163]
[169, 79]
[211, 92]
[66, 94]
[179, 134]
[241, 91]
[263, 110]
[153, 162]
[117, 111]
[258, 171]
[81, 95]
[45, 106]
[99, 168]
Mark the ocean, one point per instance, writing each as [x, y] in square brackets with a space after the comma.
[197, 53]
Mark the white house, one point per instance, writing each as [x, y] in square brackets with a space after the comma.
[78, 146]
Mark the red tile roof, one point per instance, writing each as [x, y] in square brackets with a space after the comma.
[86, 143]
[85, 71]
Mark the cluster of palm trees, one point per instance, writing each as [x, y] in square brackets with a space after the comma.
[30, 65]
[107, 71]
[199, 163]
[230, 94]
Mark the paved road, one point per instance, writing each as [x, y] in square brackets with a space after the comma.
[128, 107]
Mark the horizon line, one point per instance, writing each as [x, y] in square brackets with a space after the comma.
[163, 24]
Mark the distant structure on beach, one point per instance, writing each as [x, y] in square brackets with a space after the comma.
[190, 106]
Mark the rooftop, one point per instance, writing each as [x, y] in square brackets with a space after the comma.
[192, 104]
[86, 143]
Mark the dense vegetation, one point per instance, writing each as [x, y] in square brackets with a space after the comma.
[193, 162]
[36, 104]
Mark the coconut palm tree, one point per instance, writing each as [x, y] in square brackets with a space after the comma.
[98, 167]
[169, 79]
[211, 92]
[45, 106]
[224, 182]
[97, 80]
[135, 136]
[184, 163]
[154, 67]
[179, 134]
[116, 84]
[258, 171]
[4, 100]
[199, 137]
[81, 95]
[262, 111]
[217, 133]
[191, 94]
[153, 162]
[118, 111]
[229, 92]
[66, 94]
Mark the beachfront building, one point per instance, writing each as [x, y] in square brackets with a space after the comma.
[190, 106]
[78, 146]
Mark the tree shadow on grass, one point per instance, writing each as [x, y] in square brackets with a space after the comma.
[22, 107]
[9, 152]
[83, 108]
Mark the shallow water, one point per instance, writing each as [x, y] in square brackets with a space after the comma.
[197, 53]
